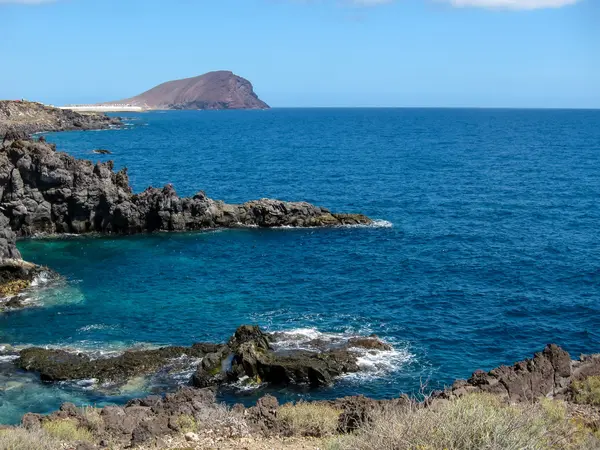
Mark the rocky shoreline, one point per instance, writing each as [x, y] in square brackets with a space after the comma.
[43, 191]
[251, 356]
[26, 118]
[149, 422]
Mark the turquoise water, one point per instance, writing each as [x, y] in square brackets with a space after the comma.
[487, 245]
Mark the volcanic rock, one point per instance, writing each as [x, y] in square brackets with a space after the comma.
[21, 118]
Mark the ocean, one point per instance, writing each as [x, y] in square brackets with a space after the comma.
[486, 246]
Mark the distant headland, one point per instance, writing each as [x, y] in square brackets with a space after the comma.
[213, 90]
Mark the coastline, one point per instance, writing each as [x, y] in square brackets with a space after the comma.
[22, 118]
[550, 387]
[482, 379]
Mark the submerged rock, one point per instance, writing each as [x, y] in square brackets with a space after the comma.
[248, 355]
[16, 275]
[61, 365]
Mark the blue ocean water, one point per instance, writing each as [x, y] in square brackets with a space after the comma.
[487, 246]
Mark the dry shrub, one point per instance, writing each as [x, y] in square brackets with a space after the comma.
[477, 421]
[92, 418]
[67, 430]
[310, 419]
[21, 439]
[186, 424]
[218, 418]
[587, 391]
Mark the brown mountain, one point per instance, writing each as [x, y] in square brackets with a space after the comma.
[213, 90]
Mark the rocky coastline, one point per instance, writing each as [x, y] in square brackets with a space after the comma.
[26, 118]
[251, 356]
[154, 422]
[46, 192]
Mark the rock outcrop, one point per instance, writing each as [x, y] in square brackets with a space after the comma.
[149, 420]
[30, 117]
[548, 374]
[45, 191]
[61, 365]
[248, 356]
[213, 90]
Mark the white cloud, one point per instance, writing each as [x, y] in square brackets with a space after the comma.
[490, 4]
[371, 2]
[513, 4]
[26, 2]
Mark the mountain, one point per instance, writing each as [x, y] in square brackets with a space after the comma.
[213, 90]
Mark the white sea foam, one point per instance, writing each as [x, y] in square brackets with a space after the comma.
[97, 327]
[377, 223]
[246, 384]
[373, 363]
[379, 363]
[380, 223]
[8, 358]
[41, 279]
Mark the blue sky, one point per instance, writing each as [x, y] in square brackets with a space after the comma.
[499, 53]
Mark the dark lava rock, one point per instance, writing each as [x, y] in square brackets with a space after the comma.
[249, 354]
[548, 374]
[60, 365]
[44, 191]
[369, 343]
[26, 118]
[102, 151]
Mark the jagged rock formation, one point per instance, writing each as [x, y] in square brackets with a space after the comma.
[44, 191]
[213, 90]
[248, 355]
[146, 421]
[548, 374]
[31, 117]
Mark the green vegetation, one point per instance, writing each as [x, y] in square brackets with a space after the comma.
[13, 287]
[310, 419]
[476, 421]
[67, 430]
[21, 439]
[187, 423]
[587, 391]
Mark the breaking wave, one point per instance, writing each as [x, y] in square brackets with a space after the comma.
[373, 363]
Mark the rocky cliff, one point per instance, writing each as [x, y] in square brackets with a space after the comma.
[31, 117]
[213, 90]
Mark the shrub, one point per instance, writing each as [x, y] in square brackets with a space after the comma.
[21, 439]
[587, 391]
[309, 419]
[477, 421]
[187, 423]
[92, 417]
[67, 430]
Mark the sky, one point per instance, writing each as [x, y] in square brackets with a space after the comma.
[300, 53]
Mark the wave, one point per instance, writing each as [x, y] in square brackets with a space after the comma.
[372, 363]
[377, 223]
[97, 327]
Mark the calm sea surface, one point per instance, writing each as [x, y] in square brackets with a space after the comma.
[487, 245]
